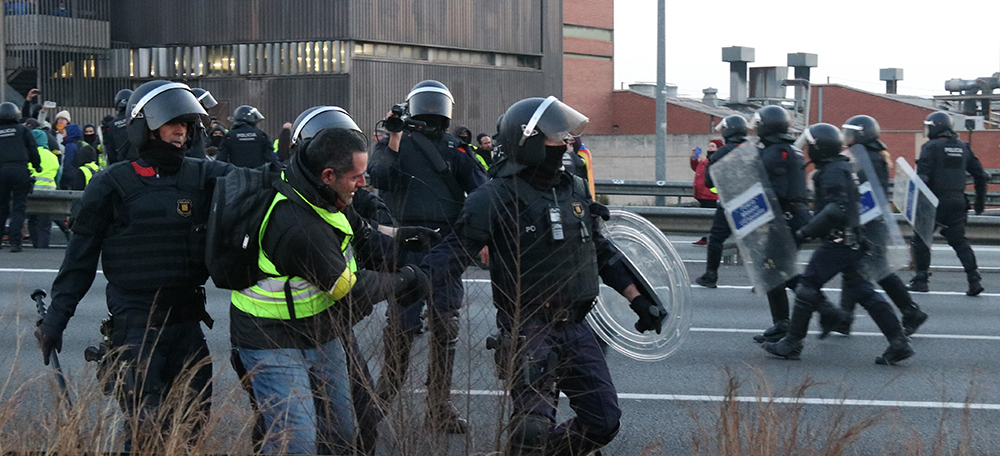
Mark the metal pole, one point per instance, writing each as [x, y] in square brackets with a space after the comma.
[661, 97]
[3, 55]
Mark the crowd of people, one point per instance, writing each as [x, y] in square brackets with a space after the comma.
[322, 249]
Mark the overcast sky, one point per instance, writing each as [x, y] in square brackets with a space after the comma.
[853, 39]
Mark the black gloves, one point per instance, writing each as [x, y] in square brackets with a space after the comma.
[49, 338]
[800, 237]
[411, 285]
[980, 206]
[651, 315]
[600, 210]
[417, 238]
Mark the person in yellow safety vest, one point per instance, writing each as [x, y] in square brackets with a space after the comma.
[40, 225]
[77, 178]
[287, 328]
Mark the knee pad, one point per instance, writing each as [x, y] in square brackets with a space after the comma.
[444, 330]
[808, 296]
[529, 435]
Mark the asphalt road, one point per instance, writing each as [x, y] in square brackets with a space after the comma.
[945, 395]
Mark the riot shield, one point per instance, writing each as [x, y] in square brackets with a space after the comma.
[915, 200]
[663, 271]
[886, 250]
[755, 217]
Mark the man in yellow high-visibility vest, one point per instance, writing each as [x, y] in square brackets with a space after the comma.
[40, 225]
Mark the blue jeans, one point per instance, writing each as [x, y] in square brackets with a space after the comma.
[283, 384]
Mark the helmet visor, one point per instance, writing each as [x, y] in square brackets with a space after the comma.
[311, 122]
[805, 139]
[430, 101]
[168, 102]
[555, 120]
[851, 133]
[207, 100]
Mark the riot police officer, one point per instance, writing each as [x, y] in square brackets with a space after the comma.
[865, 131]
[837, 223]
[116, 144]
[17, 149]
[245, 145]
[943, 164]
[201, 141]
[546, 257]
[785, 167]
[734, 132]
[424, 174]
[145, 220]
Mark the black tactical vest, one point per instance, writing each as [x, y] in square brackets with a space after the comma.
[425, 198]
[159, 240]
[948, 178]
[530, 269]
[833, 175]
[245, 146]
[786, 168]
[13, 151]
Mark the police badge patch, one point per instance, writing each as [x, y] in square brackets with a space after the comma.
[184, 207]
[578, 209]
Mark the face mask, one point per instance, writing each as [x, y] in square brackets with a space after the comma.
[553, 158]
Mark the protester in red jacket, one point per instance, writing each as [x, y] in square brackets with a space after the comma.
[705, 196]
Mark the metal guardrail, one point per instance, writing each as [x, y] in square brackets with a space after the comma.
[53, 202]
[696, 221]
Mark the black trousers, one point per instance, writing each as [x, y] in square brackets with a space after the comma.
[15, 184]
[716, 237]
[952, 214]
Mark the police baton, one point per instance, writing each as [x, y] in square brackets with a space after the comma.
[39, 297]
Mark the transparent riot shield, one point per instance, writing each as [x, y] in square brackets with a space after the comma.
[755, 216]
[886, 252]
[915, 200]
[662, 269]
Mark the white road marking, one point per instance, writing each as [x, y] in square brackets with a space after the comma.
[933, 267]
[929, 293]
[776, 400]
[857, 333]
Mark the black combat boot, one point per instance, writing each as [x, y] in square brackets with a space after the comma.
[833, 319]
[708, 279]
[441, 413]
[396, 361]
[912, 319]
[899, 349]
[774, 333]
[899, 345]
[975, 283]
[919, 282]
[790, 346]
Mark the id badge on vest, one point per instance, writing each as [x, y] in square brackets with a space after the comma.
[555, 221]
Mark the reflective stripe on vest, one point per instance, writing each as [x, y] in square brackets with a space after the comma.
[88, 171]
[45, 180]
[268, 299]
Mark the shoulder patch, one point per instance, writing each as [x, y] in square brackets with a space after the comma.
[144, 171]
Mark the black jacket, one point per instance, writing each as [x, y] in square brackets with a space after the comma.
[246, 146]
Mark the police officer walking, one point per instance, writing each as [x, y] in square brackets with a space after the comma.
[145, 220]
[17, 149]
[734, 132]
[864, 130]
[944, 162]
[424, 174]
[546, 257]
[785, 167]
[116, 144]
[843, 247]
[245, 145]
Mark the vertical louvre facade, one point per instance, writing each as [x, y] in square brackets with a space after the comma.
[285, 56]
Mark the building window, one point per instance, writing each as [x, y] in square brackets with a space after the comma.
[442, 55]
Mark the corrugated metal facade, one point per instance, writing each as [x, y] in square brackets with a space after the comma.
[203, 22]
[513, 26]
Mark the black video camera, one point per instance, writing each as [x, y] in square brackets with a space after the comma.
[400, 120]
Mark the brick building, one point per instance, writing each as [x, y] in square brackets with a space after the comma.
[588, 61]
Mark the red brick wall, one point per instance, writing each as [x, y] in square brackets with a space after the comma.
[587, 85]
[590, 13]
[635, 114]
[840, 103]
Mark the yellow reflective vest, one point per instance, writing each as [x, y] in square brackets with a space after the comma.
[45, 180]
[268, 299]
[88, 170]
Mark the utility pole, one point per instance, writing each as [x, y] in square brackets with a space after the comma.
[661, 97]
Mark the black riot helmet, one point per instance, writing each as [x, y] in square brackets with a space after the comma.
[121, 99]
[939, 124]
[863, 130]
[430, 98]
[527, 123]
[204, 97]
[823, 140]
[9, 112]
[246, 114]
[316, 118]
[772, 122]
[155, 103]
[733, 129]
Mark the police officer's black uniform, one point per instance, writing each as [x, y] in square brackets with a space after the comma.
[17, 149]
[864, 130]
[546, 256]
[944, 162]
[837, 223]
[785, 167]
[246, 145]
[116, 144]
[424, 183]
[145, 219]
[734, 132]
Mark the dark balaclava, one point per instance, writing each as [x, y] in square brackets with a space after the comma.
[546, 174]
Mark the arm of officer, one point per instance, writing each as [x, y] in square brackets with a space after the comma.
[926, 163]
[383, 168]
[473, 230]
[79, 267]
[32, 145]
[833, 214]
[979, 178]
